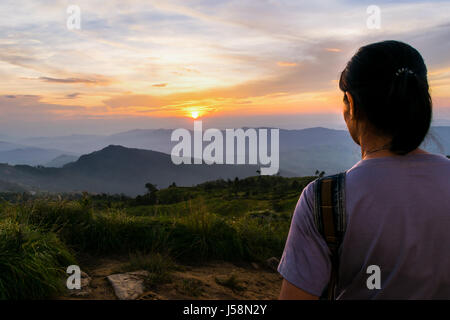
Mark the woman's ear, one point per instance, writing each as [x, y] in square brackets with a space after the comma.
[351, 105]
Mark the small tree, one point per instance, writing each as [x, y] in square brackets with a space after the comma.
[151, 188]
[151, 196]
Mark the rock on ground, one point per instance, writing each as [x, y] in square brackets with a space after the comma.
[272, 263]
[128, 286]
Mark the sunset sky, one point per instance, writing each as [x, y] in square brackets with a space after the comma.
[151, 64]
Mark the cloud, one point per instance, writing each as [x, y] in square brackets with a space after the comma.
[137, 100]
[333, 49]
[296, 79]
[72, 95]
[97, 81]
[286, 64]
[31, 108]
[221, 55]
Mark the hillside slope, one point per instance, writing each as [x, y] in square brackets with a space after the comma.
[116, 169]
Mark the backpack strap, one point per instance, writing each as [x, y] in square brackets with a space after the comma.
[330, 220]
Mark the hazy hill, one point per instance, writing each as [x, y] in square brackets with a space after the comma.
[15, 153]
[156, 140]
[60, 161]
[438, 140]
[159, 139]
[6, 146]
[29, 156]
[302, 152]
[77, 143]
[10, 187]
[117, 169]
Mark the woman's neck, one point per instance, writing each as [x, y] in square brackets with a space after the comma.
[377, 147]
[385, 153]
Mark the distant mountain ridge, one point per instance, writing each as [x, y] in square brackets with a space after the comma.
[159, 140]
[60, 161]
[128, 158]
[116, 169]
[29, 156]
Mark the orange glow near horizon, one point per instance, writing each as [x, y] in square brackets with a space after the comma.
[194, 114]
[233, 66]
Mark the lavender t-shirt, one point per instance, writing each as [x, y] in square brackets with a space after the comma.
[398, 218]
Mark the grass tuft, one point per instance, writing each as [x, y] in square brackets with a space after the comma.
[32, 264]
[158, 265]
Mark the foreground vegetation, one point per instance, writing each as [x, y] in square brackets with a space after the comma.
[240, 220]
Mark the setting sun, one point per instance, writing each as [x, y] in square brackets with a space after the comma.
[194, 114]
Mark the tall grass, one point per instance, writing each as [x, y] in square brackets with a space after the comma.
[32, 263]
[261, 239]
[201, 236]
[196, 236]
[37, 238]
[227, 220]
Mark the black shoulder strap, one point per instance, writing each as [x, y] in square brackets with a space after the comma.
[329, 217]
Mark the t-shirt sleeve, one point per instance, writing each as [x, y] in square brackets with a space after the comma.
[305, 262]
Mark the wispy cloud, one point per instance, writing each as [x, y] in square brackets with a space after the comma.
[333, 49]
[286, 64]
[160, 58]
[72, 95]
[101, 81]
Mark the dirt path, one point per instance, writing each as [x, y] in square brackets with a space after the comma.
[191, 282]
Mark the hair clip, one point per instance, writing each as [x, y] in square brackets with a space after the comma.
[402, 70]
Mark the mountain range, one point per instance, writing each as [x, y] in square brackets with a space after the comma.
[124, 162]
[115, 170]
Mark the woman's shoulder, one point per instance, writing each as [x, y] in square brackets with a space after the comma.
[399, 173]
[405, 160]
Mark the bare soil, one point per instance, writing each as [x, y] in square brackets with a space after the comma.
[189, 281]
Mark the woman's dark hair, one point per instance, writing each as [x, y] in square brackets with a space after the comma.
[388, 83]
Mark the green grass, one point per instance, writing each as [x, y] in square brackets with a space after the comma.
[32, 263]
[152, 262]
[222, 220]
[158, 265]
